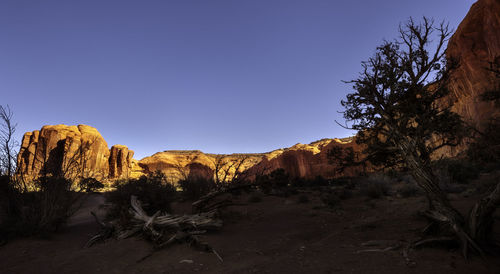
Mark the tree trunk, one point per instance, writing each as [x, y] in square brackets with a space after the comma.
[440, 209]
[480, 219]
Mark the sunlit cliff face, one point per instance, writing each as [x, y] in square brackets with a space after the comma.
[476, 44]
[81, 151]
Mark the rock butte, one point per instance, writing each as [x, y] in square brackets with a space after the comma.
[53, 149]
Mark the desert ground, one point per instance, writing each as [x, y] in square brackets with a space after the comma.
[295, 233]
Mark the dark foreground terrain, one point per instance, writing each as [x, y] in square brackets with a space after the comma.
[270, 234]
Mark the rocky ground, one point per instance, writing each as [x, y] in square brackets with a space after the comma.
[269, 234]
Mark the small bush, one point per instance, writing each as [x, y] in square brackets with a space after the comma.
[456, 171]
[409, 190]
[320, 181]
[376, 186]
[195, 188]
[299, 182]
[39, 212]
[344, 193]
[303, 199]
[255, 198]
[343, 181]
[375, 191]
[277, 179]
[330, 199]
[154, 192]
[90, 185]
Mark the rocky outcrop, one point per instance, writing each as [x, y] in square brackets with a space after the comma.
[70, 151]
[182, 164]
[178, 165]
[310, 160]
[120, 161]
[475, 44]
[76, 151]
[301, 160]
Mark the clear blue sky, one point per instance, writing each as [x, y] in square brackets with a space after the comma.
[220, 76]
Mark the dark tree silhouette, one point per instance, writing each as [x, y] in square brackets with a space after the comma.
[7, 142]
[398, 111]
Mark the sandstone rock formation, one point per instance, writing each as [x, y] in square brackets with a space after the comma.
[475, 44]
[70, 151]
[309, 161]
[80, 151]
[120, 159]
[178, 164]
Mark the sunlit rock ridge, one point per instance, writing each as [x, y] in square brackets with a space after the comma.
[81, 151]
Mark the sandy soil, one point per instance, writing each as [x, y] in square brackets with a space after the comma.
[275, 235]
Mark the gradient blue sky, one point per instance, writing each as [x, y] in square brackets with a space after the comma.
[219, 76]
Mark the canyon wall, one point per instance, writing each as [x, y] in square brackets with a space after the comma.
[81, 151]
[310, 160]
[183, 164]
[475, 44]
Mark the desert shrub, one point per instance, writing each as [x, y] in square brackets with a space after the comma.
[277, 179]
[485, 149]
[39, 212]
[409, 190]
[195, 187]
[154, 191]
[330, 199]
[299, 182]
[376, 186]
[90, 185]
[375, 190]
[303, 199]
[320, 181]
[344, 193]
[458, 171]
[342, 181]
[255, 198]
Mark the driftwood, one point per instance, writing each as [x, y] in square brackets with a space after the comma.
[162, 229]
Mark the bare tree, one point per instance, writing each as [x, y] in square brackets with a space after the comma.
[227, 170]
[181, 170]
[240, 173]
[77, 165]
[7, 142]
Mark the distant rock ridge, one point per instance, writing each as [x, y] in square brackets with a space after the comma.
[81, 151]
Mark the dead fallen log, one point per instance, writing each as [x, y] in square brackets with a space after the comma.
[162, 229]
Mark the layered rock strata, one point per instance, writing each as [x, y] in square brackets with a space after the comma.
[476, 45]
[70, 151]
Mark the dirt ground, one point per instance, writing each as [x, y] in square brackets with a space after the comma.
[273, 235]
